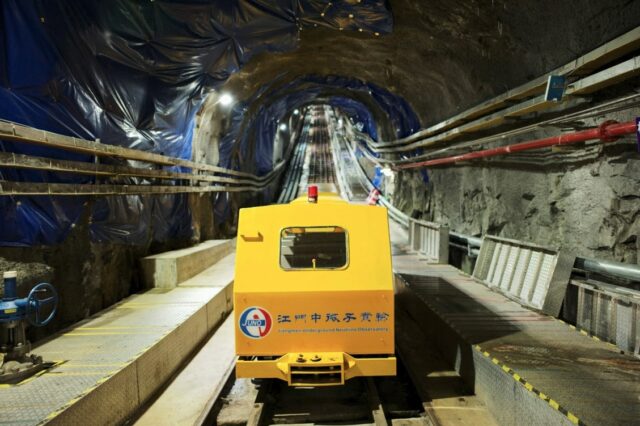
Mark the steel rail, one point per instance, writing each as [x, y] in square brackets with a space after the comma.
[27, 162]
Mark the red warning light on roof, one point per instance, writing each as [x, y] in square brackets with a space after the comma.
[374, 197]
[312, 193]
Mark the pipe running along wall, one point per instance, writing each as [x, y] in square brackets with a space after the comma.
[608, 131]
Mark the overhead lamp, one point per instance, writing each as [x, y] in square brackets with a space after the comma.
[225, 99]
[283, 127]
[296, 111]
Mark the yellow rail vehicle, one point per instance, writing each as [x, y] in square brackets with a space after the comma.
[313, 292]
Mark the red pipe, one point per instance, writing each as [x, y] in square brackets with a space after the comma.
[608, 131]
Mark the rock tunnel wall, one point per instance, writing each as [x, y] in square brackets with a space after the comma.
[444, 56]
[586, 200]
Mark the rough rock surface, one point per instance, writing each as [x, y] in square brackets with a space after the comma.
[29, 274]
[444, 56]
[591, 208]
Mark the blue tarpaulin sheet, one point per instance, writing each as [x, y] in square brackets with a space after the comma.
[134, 74]
[253, 136]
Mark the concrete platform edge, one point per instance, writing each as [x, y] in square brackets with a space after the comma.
[118, 397]
[508, 400]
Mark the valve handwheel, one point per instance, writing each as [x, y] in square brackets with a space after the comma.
[41, 296]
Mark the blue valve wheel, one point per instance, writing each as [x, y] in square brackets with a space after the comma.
[41, 296]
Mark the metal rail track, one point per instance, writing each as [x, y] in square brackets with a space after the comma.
[312, 161]
[360, 401]
[294, 171]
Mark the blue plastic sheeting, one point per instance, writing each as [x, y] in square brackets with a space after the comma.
[133, 74]
[250, 138]
[358, 113]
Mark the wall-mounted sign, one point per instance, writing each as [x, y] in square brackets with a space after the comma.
[555, 88]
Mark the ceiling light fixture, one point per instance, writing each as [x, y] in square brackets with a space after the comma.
[225, 99]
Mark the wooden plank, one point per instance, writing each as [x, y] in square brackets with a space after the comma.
[22, 161]
[8, 188]
[606, 78]
[587, 85]
[20, 133]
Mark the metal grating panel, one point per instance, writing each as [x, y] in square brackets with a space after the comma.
[430, 240]
[626, 324]
[507, 276]
[609, 313]
[534, 276]
[542, 283]
[493, 261]
[521, 269]
[531, 276]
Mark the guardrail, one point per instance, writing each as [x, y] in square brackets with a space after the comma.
[610, 313]
[201, 177]
[532, 275]
[430, 240]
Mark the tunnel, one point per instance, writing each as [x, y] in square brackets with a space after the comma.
[140, 140]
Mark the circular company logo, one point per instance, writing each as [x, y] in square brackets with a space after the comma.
[255, 322]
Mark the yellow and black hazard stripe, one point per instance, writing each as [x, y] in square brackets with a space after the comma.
[528, 386]
[587, 334]
[81, 395]
[90, 389]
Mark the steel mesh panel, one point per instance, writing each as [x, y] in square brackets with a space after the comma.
[542, 283]
[500, 265]
[604, 311]
[531, 276]
[585, 309]
[519, 274]
[625, 325]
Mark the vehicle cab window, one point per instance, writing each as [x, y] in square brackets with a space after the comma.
[320, 247]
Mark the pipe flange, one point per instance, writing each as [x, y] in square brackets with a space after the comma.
[602, 130]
